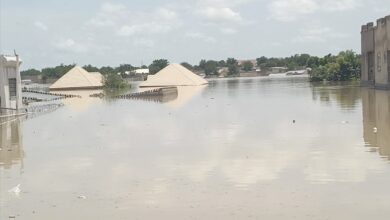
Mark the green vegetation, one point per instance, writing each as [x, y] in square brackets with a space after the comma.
[158, 65]
[247, 66]
[345, 66]
[342, 67]
[232, 65]
[114, 81]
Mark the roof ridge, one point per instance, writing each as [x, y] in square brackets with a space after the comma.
[79, 68]
[185, 75]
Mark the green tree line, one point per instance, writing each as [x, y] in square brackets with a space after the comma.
[341, 67]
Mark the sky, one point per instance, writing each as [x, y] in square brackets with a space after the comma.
[103, 32]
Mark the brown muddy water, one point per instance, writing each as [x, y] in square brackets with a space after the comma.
[226, 151]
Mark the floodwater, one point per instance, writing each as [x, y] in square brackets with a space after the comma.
[230, 150]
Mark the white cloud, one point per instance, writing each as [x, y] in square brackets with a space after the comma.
[112, 8]
[70, 45]
[340, 5]
[222, 3]
[290, 10]
[41, 26]
[318, 34]
[200, 36]
[108, 15]
[220, 14]
[148, 43]
[227, 30]
[125, 22]
[147, 28]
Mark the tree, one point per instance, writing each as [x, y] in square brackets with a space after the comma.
[158, 65]
[105, 70]
[345, 66]
[261, 61]
[247, 66]
[222, 63]
[232, 65]
[114, 81]
[202, 64]
[30, 72]
[187, 65]
[211, 67]
[91, 68]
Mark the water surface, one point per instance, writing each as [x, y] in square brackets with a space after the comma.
[227, 151]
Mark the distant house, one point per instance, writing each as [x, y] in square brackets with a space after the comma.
[78, 78]
[241, 62]
[10, 83]
[141, 71]
[276, 70]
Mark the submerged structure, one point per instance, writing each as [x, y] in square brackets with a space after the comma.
[174, 75]
[376, 53]
[78, 79]
[10, 83]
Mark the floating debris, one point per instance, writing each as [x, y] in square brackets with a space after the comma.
[375, 130]
[15, 190]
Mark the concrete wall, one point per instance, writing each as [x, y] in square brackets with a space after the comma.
[368, 47]
[375, 49]
[9, 70]
[381, 48]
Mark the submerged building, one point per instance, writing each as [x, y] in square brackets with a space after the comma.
[375, 42]
[174, 75]
[10, 83]
[78, 79]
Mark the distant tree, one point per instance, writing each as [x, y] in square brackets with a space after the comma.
[345, 66]
[105, 70]
[30, 72]
[232, 65]
[313, 62]
[247, 66]
[56, 72]
[202, 64]
[211, 67]
[114, 81]
[144, 67]
[187, 65]
[222, 63]
[123, 68]
[91, 68]
[261, 61]
[158, 65]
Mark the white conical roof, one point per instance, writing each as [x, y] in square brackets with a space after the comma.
[174, 75]
[78, 78]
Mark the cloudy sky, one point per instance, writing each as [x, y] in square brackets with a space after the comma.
[103, 32]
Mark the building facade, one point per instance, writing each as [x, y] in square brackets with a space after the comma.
[10, 84]
[376, 53]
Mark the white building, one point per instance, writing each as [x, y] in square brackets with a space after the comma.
[141, 71]
[10, 83]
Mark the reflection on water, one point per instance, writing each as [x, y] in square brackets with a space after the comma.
[174, 100]
[83, 103]
[376, 114]
[11, 145]
[346, 96]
